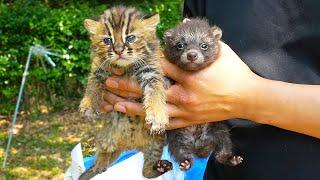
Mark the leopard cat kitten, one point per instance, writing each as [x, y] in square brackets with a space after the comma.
[123, 37]
[193, 45]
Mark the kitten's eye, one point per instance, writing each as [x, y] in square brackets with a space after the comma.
[130, 38]
[180, 46]
[204, 46]
[107, 41]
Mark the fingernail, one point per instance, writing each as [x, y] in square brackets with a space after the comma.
[112, 83]
[120, 108]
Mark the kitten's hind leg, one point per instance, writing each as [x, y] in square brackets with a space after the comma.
[153, 166]
[103, 161]
[107, 152]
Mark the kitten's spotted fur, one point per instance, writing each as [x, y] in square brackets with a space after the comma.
[124, 37]
[193, 45]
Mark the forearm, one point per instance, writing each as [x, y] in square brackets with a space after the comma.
[288, 106]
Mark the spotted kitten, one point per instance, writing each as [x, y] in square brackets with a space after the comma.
[123, 37]
[193, 45]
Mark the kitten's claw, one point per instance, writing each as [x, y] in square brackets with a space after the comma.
[185, 165]
[157, 128]
[235, 160]
[163, 166]
[90, 113]
[158, 123]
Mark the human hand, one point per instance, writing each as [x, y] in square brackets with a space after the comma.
[215, 93]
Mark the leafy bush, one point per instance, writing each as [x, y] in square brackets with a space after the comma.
[58, 26]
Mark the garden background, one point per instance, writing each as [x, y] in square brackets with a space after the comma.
[49, 125]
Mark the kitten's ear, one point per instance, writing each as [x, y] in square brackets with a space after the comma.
[151, 21]
[217, 32]
[91, 26]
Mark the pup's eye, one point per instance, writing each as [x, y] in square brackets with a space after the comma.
[130, 38]
[107, 41]
[204, 46]
[180, 46]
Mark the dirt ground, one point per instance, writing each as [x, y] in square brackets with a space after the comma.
[41, 145]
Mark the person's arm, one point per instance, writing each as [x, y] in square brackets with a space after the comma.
[289, 106]
[228, 89]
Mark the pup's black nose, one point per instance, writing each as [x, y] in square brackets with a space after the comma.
[192, 56]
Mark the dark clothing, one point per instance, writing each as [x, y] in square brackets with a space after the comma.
[279, 40]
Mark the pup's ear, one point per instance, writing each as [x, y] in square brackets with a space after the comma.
[217, 32]
[185, 20]
[151, 21]
[91, 26]
[168, 35]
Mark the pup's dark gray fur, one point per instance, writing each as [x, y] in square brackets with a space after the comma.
[193, 45]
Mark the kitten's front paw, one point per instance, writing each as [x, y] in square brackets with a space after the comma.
[158, 120]
[89, 113]
[87, 110]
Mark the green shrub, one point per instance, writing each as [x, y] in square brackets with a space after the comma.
[58, 26]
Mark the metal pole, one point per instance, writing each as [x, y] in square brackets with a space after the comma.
[25, 73]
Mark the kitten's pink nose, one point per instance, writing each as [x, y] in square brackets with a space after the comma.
[118, 51]
[192, 56]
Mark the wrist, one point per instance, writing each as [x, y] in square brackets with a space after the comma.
[249, 99]
[256, 105]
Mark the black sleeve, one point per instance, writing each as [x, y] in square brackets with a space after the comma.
[279, 40]
[269, 154]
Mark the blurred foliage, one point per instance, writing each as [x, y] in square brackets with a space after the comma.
[58, 25]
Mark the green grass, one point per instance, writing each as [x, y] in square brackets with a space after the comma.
[42, 143]
[58, 26]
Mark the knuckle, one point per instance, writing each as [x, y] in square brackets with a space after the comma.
[186, 100]
[191, 78]
[123, 94]
[123, 84]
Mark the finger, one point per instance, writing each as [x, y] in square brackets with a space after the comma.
[112, 98]
[174, 111]
[130, 108]
[176, 123]
[124, 94]
[177, 95]
[116, 70]
[123, 84]
[173, 71]
[106, 107]
[133, 108]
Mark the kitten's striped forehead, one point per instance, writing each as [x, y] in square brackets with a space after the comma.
[119, 19]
